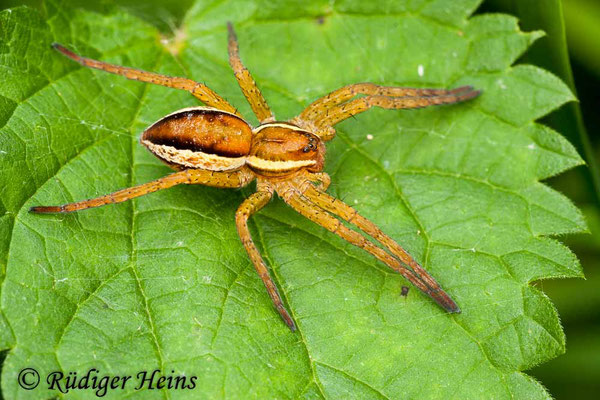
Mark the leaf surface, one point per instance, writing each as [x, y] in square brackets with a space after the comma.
[163, 282]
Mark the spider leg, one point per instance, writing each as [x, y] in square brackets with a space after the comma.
[249, 207]
[293, 196]
[322, 123]
[198, 90]
[356, 106]
[323, 180]
[349, 214]
[189, 176]
[251, 91]
[320, 106]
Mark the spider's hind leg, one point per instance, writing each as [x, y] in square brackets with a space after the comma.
[198, 90]
[189, 176]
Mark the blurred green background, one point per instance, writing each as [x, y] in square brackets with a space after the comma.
[576, 374]
[571, 50]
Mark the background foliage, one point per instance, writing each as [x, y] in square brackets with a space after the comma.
[395, 334]
[575, 374]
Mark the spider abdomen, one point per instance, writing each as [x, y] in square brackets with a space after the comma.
[200, 137]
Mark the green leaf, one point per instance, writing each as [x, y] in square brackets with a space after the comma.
[552, 54]
[163, 281]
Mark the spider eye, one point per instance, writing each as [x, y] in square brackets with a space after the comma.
[309, 147]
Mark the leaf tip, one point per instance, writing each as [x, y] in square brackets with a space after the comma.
[535, 35]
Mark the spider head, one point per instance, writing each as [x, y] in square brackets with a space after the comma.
[280, 148]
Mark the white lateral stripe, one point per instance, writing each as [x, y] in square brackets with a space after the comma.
[267, 165]
[195, 159]
[278, 125]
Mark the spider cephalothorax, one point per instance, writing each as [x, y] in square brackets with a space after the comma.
[282, 148]
[215, 146]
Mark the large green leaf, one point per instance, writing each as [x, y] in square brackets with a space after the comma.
[163, 281]
[551, 53]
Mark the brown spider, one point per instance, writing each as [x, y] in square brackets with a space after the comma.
[215, 146]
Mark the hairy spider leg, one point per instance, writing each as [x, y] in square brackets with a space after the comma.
[320, 106]
[249, 207]
[198, 90]
[322, 178]
[251, 91]
[349, 214]
[346, 110]
[189, 176]
[293, 196]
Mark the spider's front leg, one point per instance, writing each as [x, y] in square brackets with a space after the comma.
[189, 176]
[349, 214]
[321, 115]
[249, 207]
[346, 110]
[339, 96]
[322, 180]
[294, 197]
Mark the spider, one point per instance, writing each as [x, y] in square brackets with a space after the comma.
[214, 146]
